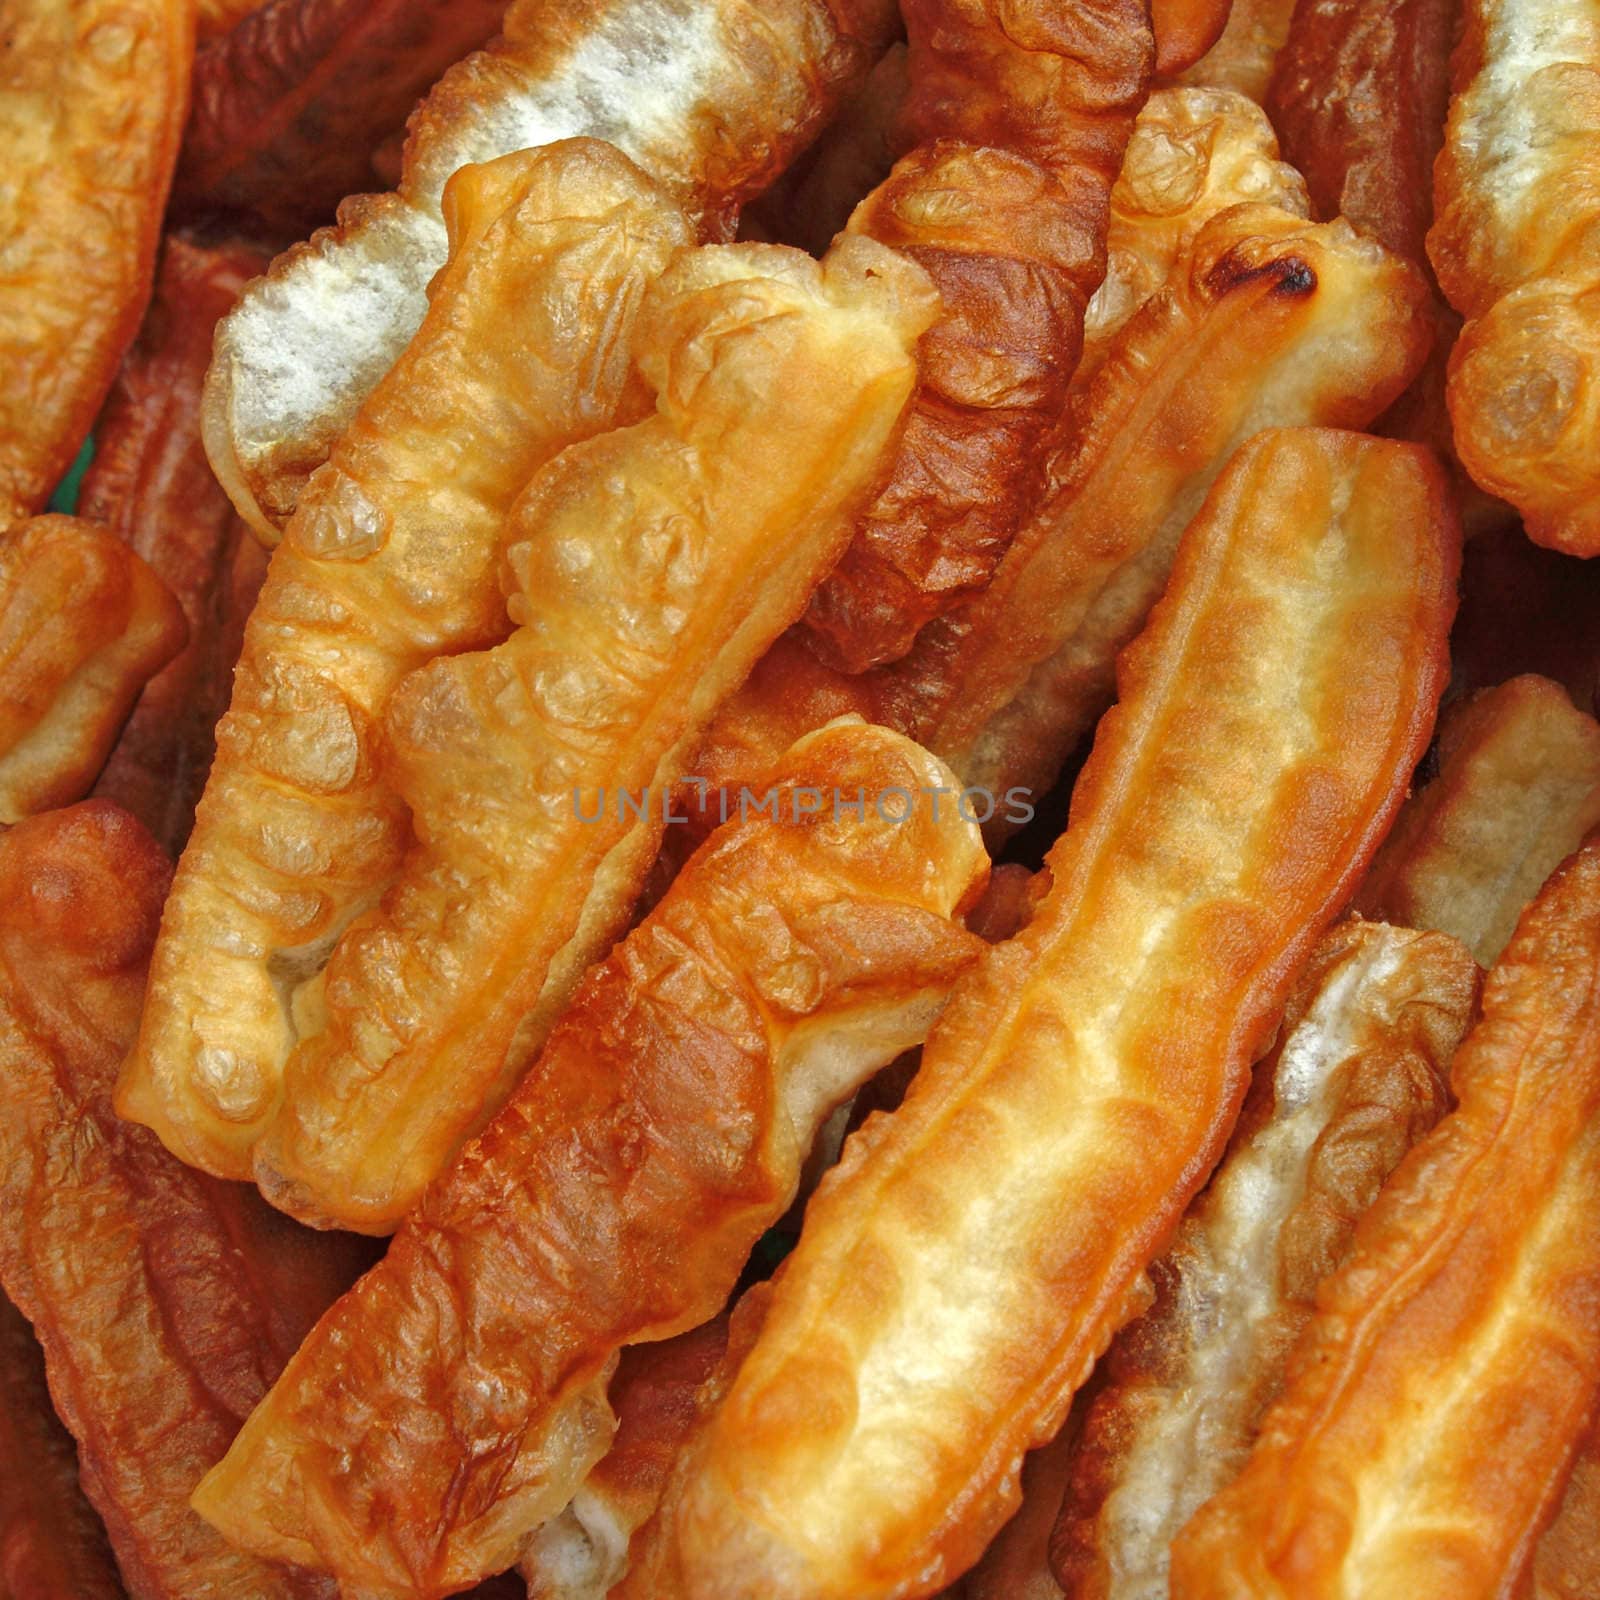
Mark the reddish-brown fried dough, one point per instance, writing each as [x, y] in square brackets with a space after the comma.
[1243, 57]
[455, 1399]
[969, 1258]
[1185, 30]
[1360, 1072]
[1566, 1564]
[217, 16]
[1434, 1408]
[149, 483]
[92, 100]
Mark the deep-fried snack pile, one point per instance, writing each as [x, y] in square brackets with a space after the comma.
[965, 1263]
[668, 1114]
[1460, 1326]
[717, 109]
[1359, 1074]
[83, 624]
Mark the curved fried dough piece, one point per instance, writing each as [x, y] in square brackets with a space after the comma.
[1566, 1563]
[1194, 152]
[150, 485]
[1516, 246]
[391, 560]
[1435, 1405]
[648, 571]
[971, 1255]
[158, 1334]
[1022, 112]
[1242, 59]
[619, 1193]
[1360, 1073]
[83, 624]
[54, 1545]
[1185, 30]
[92, 100]
[289, 106]
[1016, 1565]
[1517, 791]
[711, 97]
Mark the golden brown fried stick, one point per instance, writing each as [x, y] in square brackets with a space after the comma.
[52, 1545]
[711, 97]
[392, 559]
[617, 1196]
[1021, 113]
[92, 99]
[158, 1336]
[1360, 1073]
[1243, 57]
[83, 624]
[1434, 1407]
[779, 385]
[290, 104]
[150, 484]
[1518, 788]
[969, 1258]
[1016, 1566]
[1516, 245]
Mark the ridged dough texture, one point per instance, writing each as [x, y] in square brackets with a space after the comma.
[710, 97]
[1360, 1073]
[1434, 1408]
[1516, 245]
[92, 99]
[456, 1399]
[970, 1257]
[83, 624]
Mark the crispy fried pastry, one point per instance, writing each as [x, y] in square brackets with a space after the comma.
[92, 98]
[158, 1333]
[1022, 113]
[392, 559]
[1518, 789]
[1434, 1407]
[1566, 1562]
[83, 624]
[1359, 1074]
[289, 106]
[618, 1194]
[1242, 59]
[704, 96]
[217, 16]
[971, 1255]
[150, 485]
[1185, 30]
[52, 1545]
[1194, 152]
[1516, 246]
[1016, 1566]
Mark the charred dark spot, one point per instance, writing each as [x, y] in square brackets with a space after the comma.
[1289, 276]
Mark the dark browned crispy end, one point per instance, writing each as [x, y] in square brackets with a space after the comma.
[151, 485]
[52, 1546]
[290, 104]
[1185, 30]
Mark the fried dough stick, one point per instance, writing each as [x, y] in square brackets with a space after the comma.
[969, 1258]
[1516, 245]
[92, 101]
[1360, 1073]
[290, 104]
[158, 1333]
[150, 485]
[392, 559]
[1435, 1405]
[1518, 789]
[618, 1194]
[710, 97]
[83, 624]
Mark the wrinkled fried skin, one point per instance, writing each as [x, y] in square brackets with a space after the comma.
[107, 1244]
[1436, 1403]
[83, 624]
[1360, 1073]
[720, 109]
[971, 1255]
[217, 16]
[1243, 58]
[1016, 1566]
[92, 99]
[1516, 245]
[392, 559]
[150, 485]
[779, 385]
[1517, 791]
[54, 1546]
[289, 106]
[667, 1116]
